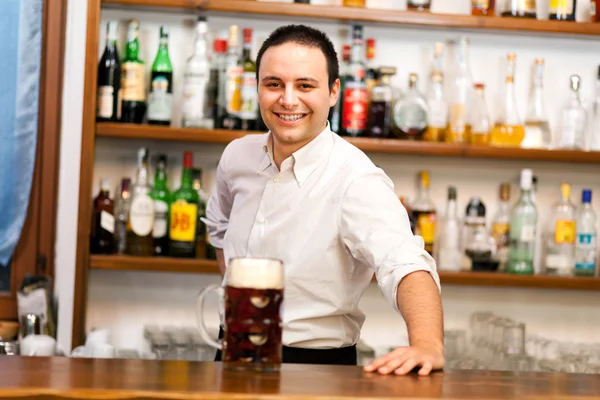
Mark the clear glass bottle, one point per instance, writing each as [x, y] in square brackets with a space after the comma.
[560, 235]
[586, 244]
[249, 108]
[508, 130]
[437, 106]
[448, 250]
[537, 129]
[501, 226]
[595, 118]
[380, 109]
[574, 119]
[539, 242]
[523, 225]
[480, 118]
[519, 8]
[410, 113]
[233, 81]
[460, 94]
[423, 212]
[141, 212]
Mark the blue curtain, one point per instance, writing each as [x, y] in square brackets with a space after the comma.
[21, 49]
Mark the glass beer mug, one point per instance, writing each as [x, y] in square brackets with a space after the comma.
[253, 295]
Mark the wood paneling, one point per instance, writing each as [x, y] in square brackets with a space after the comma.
[419, 19]
[70, 378]
[150, 132]
[86, 173]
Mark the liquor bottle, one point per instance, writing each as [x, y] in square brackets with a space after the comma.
[249, 108]
[437, 106]
[449, 255]
[563, 10]
[199, 83]
[508, 129]
[102, 239]
[218, 77]
[560, 235]
[539, 243]
[372, 73]
[483, 7]
[141, 212]
[574, 119]
[501, 226]
[354, 107]
[418, 5]
[109, 78]
[523, 226]
[233, 82]
[184, 214]
[410, 113]
[480, 118]
[474, 227]
[302, 1]
[594, 140]
[160, 99]
[354, 3]
[595, 10]
[423, 211]
[335, 112]
[460, 96]
[411, 219]
[586, 244]
[537, 129]
[201, 234]
[133, 77]
[162, 199]
[122, 206]
[519, 8]
[380, 109]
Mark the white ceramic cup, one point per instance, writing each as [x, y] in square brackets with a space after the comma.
[101, 350]
[38, 345]
[98, 336]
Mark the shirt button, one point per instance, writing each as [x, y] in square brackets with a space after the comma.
[262, 220]
[275, 180]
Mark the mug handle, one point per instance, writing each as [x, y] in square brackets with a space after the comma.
[200, 316]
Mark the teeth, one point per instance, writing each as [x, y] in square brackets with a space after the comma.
[290, 117]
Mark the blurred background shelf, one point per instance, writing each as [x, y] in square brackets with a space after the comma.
[155, 264]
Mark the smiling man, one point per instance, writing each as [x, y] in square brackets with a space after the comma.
[301, 194]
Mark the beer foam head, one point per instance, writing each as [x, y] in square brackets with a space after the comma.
[255, 273]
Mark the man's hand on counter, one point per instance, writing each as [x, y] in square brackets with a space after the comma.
[404, 359]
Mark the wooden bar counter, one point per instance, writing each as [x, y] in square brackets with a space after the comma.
[80, 378]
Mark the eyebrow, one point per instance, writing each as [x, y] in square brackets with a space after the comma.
[302, 79]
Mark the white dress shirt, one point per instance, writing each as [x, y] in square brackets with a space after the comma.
[331, 216]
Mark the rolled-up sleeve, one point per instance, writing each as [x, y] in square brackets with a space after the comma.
[218, 208]
[376, 229]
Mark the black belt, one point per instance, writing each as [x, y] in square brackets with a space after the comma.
[295, 355]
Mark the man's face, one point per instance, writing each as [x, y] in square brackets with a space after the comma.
[293, 92]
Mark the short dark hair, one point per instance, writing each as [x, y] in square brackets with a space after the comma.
[306, 36]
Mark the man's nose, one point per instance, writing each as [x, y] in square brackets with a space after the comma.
[288, 98]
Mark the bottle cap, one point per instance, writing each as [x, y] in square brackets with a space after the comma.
[451, 193]
[565, 190]
[105, 184]
[586, 196]
[247, 35]
[188, 159]
[505, 191]
[220, 46]
[161, 160]
[346, 52]
[526, 177]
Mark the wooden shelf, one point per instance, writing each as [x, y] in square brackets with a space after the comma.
[155, 264]
[150, 132]
[178, 265]
[422, 19]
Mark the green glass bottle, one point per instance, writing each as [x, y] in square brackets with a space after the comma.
[184, 214]
[523, 225]
[201, 226]
[162, 200]
[160, 99]
[133, 91]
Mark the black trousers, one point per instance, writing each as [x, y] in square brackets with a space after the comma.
[295, 355]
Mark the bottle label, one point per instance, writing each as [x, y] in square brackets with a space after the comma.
[561, 6]
[481, 4]
[234, 89]
[564, 232]
[194, 96]
[500, 232]
[354, 114]
[183, 221]
[107, 221]
[585, 252]
[160, 101]
[161, 217]
[132, 82]
[105, 102]
[141, 215]
[426, 227]
[249, 93]
[438, 113]
[527, 6]
[458, 118]
[527, 233]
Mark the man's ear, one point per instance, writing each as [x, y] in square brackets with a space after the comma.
[334, 93]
